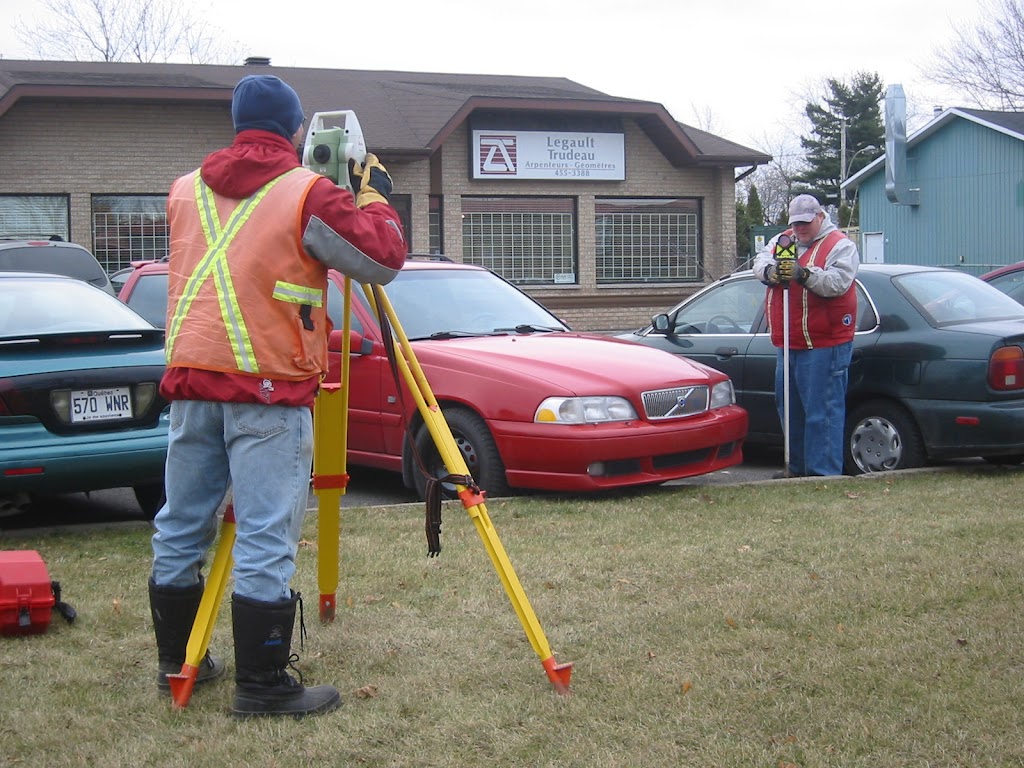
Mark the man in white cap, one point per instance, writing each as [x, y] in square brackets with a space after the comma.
[252, 235]
[822, 321]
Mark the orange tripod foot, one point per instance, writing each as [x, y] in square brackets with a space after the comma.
[182, 685]
[328, 603]
[558, 674]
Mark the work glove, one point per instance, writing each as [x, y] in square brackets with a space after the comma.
[771, 275]
[371, 181]
[789, 270]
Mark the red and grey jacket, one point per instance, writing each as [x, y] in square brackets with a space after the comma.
[814, 321]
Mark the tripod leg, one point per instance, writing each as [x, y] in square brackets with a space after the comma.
[206, 617]
[472, 498]
[330, 468]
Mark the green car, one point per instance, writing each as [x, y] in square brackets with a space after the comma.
[80, 407]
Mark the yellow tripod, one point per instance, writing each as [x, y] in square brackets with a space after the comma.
[330, 479]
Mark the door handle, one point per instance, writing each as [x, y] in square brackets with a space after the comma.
[726, 351]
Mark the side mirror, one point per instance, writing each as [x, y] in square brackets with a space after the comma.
[358, 344]
[661, 324]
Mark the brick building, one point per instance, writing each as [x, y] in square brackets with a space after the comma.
[605, 209]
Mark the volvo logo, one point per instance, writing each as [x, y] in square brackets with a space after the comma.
[681, 401]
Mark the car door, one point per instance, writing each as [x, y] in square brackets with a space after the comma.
[724, 327]
[367, 369]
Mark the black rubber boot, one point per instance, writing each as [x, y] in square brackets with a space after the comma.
[174, 611]
[263, 650]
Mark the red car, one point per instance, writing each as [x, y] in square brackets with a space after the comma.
[1009, 279]
[531, 404]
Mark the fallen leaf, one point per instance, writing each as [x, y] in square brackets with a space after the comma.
[117, 605]
[745, 548]
[840, 628]
[961, 641]
[851, 495]
[731, 621]
[548, 585]
[651, 656]
[367, 692]
[307, 544]
[814, 576]
[686, 686]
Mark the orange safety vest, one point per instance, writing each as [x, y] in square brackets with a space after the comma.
[814, 321]
[243, 295]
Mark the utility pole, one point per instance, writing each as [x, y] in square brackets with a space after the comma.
[842, 161]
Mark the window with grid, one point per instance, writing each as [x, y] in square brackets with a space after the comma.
[528, 241]
[648, 241]
[436, 227]
[34, 217]
[128, 228]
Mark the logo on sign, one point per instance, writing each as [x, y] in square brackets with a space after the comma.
[497, 155]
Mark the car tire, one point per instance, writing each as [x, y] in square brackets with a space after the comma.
[881, 436]
[151, 498]
[479, 451]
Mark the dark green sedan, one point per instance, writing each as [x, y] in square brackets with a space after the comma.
[937, 370]
[80, 408]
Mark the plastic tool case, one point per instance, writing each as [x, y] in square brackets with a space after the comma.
[26, 593]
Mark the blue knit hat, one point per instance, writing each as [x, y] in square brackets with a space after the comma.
[266, 103]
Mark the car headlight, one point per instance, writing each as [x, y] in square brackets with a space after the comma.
[584, 410]
[722, 394]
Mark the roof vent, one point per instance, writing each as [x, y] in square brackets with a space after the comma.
[257, 61]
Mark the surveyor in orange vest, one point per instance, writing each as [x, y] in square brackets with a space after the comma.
[252, 235]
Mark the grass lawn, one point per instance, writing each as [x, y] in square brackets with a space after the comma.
[848, 622]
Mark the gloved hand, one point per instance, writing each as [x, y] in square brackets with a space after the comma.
[789, 270]
[371, 181]
[771, 275]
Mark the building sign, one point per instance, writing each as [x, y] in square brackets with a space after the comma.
[548, 155]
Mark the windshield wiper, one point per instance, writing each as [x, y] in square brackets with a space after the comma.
[453, 335]
[529, 328]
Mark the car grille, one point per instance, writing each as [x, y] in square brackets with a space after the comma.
[675, 403]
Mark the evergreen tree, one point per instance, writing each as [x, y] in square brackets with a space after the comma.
[742, 233]
[755, 211]
[855, 106]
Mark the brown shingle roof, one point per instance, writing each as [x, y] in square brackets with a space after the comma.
[403, 112]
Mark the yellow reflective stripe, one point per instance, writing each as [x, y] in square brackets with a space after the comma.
[298, 294]
[214, 262]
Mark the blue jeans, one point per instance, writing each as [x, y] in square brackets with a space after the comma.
[264, 453]
[817, 407]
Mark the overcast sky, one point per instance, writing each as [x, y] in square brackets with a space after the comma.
[741, 68]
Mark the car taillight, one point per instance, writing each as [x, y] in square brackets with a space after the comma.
[1006, 368]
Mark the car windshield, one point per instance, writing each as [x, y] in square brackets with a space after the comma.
[440, 303]
[39, 306]
[149, 297]
[949, 298]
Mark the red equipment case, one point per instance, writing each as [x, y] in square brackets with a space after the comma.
[26, 593]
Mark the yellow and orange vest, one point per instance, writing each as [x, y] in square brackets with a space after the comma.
[243, 296]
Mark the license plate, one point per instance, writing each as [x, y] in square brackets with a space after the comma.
[100, 404]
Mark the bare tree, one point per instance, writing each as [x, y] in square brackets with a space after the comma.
[125, 30]
[775, 180]
[706, 118]
[986, 62]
